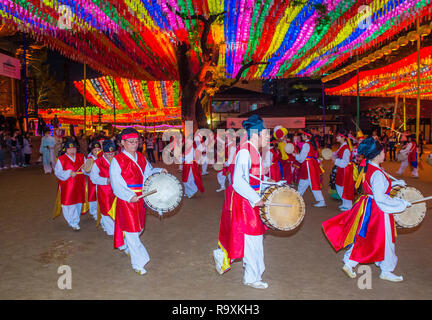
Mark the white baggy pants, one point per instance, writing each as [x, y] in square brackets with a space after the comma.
[72, 214]
[138, 253]
[190, 187]
[345, 203]
[107, 224]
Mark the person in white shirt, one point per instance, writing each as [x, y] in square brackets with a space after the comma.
[241, 230]
[128, 171]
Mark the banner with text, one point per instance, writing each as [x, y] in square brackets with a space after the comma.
[10, 67]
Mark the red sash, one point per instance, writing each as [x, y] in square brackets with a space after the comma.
[130, 217]
[72, 190]
[344, 176]
[314, 172]
[105, 195]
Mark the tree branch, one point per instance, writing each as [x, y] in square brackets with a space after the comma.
[239, 74]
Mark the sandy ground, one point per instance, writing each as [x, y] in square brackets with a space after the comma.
[299, 264]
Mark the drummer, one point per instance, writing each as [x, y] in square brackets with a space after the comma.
[344, 174]
[371, 235]
[191, 177]
[410, 151]
[310, 169]
[99, 175]
[71, 187]
[94, 150]
[128, 171]
[241, 229]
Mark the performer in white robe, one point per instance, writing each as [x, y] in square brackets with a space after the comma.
[410, 153]
[47, 150]
[309, 171]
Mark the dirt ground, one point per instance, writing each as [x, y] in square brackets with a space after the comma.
[299, 264]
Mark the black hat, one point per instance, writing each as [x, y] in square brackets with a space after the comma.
[109, 146]
[370, 148]
[70, 143]
[94, 144]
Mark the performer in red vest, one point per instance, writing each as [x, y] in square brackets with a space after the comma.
[99, 175]
[128, 171]
[241, 229]
[94, 150]
[276, 169]
[71, 189]
[368, 229]
[310, 169]
[344, 174]
[192, 179]
[410, 150]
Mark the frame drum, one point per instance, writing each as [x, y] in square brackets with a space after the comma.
[401, 156]
[218, 166]
[327, 153]
[169, 192]
[289, 148]
[413, 215]
[278, 217]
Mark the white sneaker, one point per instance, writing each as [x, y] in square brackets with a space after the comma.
[349, 271]
[257, 284]
[320, 204]
[140, 271]
[220, 189]
[217, 257]
[390, 277]
[77, 228]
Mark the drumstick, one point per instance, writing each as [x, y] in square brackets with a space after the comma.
[421, 200]
[274, 204]
[147, 194]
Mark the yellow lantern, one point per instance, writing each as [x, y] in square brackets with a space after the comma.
[412, 36]
[378, 54]
[386, 50]
[403, 41]
[394, 46]
[424, 30]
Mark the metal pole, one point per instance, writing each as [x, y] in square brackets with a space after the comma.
[25, 80]
[114, 104]
[323, 105]
[85, 99]
[418, 83]
[358, 97]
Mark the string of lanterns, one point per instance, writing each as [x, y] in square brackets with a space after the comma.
[136, 39]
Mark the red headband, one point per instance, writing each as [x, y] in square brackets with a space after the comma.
[307, 133]
[342, 135]
[129, 136]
